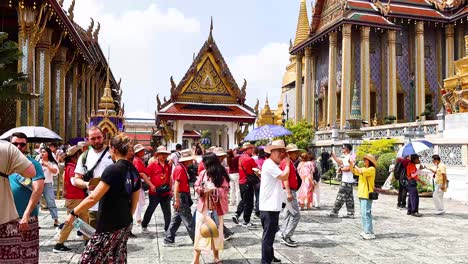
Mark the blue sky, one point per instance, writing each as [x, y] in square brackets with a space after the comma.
[150, 40]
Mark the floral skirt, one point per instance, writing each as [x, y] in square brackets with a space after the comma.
[202, 243]
[107, 247]
[304, 194]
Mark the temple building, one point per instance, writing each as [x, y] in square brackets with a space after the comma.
[207, 98]
[65, 66]
[397, 52]
[268, 116]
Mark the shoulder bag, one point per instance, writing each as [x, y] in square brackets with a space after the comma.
[89, 174]
[372, 195]
[252, 179]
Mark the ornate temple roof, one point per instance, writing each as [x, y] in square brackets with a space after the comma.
[208, 91]
[327, 15]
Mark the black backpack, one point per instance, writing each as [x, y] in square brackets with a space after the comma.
[399, 172]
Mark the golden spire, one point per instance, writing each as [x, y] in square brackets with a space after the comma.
[210, 37]
[107, 101]
[302, 30]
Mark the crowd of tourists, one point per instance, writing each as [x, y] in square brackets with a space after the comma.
[109, 186]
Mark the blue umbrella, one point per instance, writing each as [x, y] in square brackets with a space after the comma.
[414, 147]
[267, 132]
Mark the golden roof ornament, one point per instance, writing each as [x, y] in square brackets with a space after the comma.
[89, 31]
[96, 32]
[106, 104]
[210, 37]
[302, 30]
[70, 10]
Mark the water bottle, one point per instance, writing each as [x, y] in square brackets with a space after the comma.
[83, 227]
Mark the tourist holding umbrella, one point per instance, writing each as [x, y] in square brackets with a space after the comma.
[412, 172]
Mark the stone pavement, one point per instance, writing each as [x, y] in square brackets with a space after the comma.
[399, 238]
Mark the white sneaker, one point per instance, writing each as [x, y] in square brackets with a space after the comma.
[144, 230]
[368, 236]
[440, 212]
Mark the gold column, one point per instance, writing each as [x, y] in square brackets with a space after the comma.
[83, 100]
[365, 74]
[45, 53]
[298, 114]
[391, 76]
[61, 71]
[420, 69]
[449, 50]
[74, 114]
[332, 79]
[345, 75]
[308, 85]
[460, 41]
[313, 89]
[88, 93]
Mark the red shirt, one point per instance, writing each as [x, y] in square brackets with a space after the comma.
[246, 165]
[410, 169]
[234, 165]
[159, 174]
[139, 165]
[201, 167]
[180, 175]
[292, 179]
[71, 192]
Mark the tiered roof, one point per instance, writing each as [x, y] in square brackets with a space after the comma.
[208, 91]
[327, 15]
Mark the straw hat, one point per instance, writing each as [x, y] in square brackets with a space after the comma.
[72, 150]
[138, 147]
[277, 144]
[219, 152]
[371, 158]
[82, 144]
[186, 155]
[292, 148]
[210, 149]
[209, 229]
[162, 150]
[247, 145]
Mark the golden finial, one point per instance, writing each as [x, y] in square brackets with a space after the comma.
[96, 32]
[90, 28]
[210, 37]
[106, 104]
[302, 30]
[70, 10]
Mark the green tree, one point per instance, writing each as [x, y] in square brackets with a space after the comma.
[302, 133]
[10, 81]
[375, 147]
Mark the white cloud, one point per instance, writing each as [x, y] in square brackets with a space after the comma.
[263, 71]
[139, 40]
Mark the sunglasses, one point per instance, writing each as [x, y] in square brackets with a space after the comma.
[19, 144]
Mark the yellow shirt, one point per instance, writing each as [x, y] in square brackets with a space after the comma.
[366, 178]
[440, 169]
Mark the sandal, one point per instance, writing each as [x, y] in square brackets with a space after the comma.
[217, 261]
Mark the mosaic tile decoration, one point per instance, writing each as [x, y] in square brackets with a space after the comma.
[356, 39]
[375, 64]
[403, 69]
[430, 64]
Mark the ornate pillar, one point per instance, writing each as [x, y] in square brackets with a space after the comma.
[365, 74]
[345, 75]
[391, 75]
[60, 76]
[331, 108]
[43, 68]
[88, 92]
[308, 109]
[449, 50]
[298, 114]
[74, 100]
[313, 90]
[420, 69]
[460, 41]
[82, 125]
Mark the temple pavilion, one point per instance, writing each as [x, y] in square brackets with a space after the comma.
[207, 98]
[397, 52]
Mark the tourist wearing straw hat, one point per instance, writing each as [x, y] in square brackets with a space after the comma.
[290, 186]
[365, 186]
[182, 199]
[159, 174]
[138, 153]
[246, 205]
[271, 196]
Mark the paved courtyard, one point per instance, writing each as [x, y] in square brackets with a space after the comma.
[399, 238]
